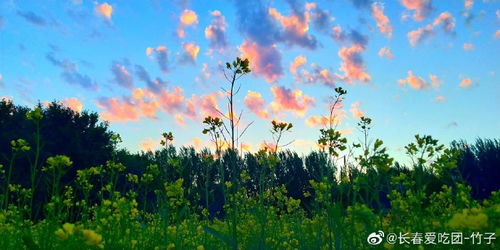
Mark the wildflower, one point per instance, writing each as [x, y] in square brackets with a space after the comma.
[61, 234]
[171, 246]
[69, 228]
[19, 145]
[57, 162]
[469, 218]
[200, 247]
[92, 238]
[35, 115]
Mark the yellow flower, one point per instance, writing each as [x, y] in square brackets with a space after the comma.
[61, 234]
[92, 238]
[200, 247]
[69, 228]
[469, 218]
[171, 246]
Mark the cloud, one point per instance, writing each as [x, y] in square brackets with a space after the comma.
[468, 4]
[422, 8]
[440, 98]
[383, 22]
[337, 34]
[445, 20]
[2, 84]
[320, 18]
[420, 83]
[352, 64]
[264, 61]
[154, 85]
[73, 103]
[105, 10]
[121, 75]
[171, 101]
[386, 52]
[298, 62]
[286, 99]
[216, 32]
[355, 111]
[256, 24]
[32, 18]
[187, 18]
[191, 51]
[70, 73]
[468, 46]
[179, 119]
[466, 82]
[207, 104]
[255, 103]
[435, 82]
[116, 110]
[316, 121]
[315, 75]
[149, 144]
[417, 36]
[294, 29]
[161, 55]
[497, 34]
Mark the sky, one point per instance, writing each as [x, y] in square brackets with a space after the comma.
[413, 66]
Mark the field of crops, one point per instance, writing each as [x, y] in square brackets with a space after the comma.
[184, 199]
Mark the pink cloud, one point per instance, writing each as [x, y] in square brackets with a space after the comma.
[286, 99]
[149, 144]
[105, 10]
[422, 8]
[435, 82]
[187, 18]
[294, 28]
[468, 46]
[386, 52]
[468, 4]
[298, 62]
[116, 110]
[316, 121]
[414, 81]
[191, 51]
[255, 103]
[179, 119]
[352, 63]
[416, 36]
[264, 61]
[445, 20]
[355, 111]
[216, 32]
[440, 98]
[497, 34]
[466, 82]
[171, 101]
[73, 103]
[383, 22]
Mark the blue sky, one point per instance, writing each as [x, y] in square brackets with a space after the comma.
[153, 66]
